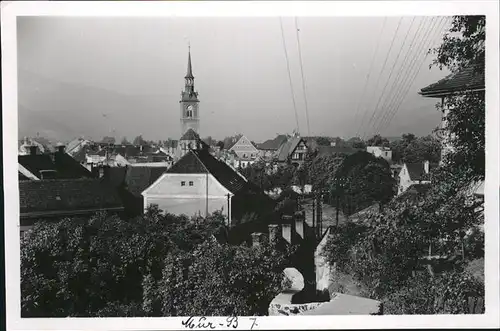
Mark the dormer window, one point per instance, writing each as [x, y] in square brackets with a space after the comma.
[191, 183]
[183, 183]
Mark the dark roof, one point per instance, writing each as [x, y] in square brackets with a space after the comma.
[201, 161]
[466, 79]
[330, 150]
[190, 135]
[115, 176]
[288, 148]
[81, 155]
[66, 195]
[64, 165]
[416, 170]
[137, 179]
[273, 144]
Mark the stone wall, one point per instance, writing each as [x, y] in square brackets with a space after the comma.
[323, 269]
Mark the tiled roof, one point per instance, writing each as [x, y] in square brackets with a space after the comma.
[273, 144]
[66, 195]
[137, 179]
[200, 161]
[466, 79]
[190, 135]
[287, 149]
[62, 163]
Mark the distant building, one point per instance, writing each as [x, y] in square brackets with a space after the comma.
[414, 173]
[379, 151]
[294, 151]
[269, 149]
[57, 165]
[245, 150]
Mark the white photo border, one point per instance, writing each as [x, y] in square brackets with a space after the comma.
[9, 12]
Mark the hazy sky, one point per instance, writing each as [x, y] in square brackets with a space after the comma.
[123, 76]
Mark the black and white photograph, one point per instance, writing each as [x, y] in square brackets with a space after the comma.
[222, 170]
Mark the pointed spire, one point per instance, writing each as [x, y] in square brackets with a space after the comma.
[189, 73]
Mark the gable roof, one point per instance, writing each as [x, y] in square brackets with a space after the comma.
[137, 179]
[63, 164]
[469, 78]
[66, 195]
[273, 144]
[190, 135]
[201, 161]
[287, 148]
[240, 141]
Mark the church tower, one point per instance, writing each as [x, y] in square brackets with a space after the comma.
[190, 116]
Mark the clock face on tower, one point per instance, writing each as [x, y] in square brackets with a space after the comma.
[190, 107]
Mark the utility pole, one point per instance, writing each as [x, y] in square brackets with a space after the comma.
[228, 210]
[313, 215]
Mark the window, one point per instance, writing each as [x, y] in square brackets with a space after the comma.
[295, 156]
[191, 183]
[183, 183]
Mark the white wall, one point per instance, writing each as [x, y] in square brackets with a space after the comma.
[169, 194]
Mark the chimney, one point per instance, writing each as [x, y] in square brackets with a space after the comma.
[299, 224]
[273, 233]
[61, 148]
[426, 167]
[33, 149]
[257, 239]
[287, 232]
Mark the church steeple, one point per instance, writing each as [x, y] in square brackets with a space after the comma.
[189, 101]
[189, 73]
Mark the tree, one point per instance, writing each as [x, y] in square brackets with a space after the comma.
[377, 140]
[230, 141]
[220, 144]
[209, 141]
[365, 181]
[68, 268]
[108, 140]
[139, 141]
[410, 149]
[464, 47]
[125, 141]
[356, 142]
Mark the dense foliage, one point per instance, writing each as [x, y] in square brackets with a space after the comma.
[389, 252]
[377, 140]
[154, 265]
[411, 149]
[463, 47]
[361, 181]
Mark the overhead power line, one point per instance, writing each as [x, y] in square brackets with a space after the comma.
[381, 71]
[369, 73]
[302, 76]
[289, 76]
[431, 27]
[439, 32]
[390, 74]
[396, 84]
